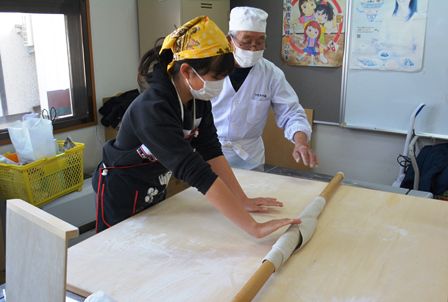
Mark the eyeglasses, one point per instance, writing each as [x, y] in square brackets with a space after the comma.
[250, 44]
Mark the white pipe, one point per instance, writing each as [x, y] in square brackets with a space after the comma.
[414, 162]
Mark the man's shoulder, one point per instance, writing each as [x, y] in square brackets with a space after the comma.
[269, 69]
[268, 66]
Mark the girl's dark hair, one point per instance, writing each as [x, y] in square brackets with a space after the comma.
[220, 65]
[146, 64]
[327, 9]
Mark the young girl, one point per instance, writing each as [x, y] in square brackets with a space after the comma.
[311, 37]
[169, 129]
[324, 13]
[307, 9]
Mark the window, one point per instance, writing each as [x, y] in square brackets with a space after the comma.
[45, 62]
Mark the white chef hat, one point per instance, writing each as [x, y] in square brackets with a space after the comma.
[244, 18]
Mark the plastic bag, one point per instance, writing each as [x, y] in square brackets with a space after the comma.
[32, 139]
[5, 160]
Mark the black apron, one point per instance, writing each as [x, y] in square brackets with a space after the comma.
[128, 181]
[126, 185]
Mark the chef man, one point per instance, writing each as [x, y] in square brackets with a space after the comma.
[256, 84]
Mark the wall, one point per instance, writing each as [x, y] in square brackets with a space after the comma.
[115, 56]
[361, 155]
[309, 81]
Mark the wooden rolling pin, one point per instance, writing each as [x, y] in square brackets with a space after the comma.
[294, 238]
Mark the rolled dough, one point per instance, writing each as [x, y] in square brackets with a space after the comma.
[296, 236]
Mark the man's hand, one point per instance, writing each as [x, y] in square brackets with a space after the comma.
[302, 152]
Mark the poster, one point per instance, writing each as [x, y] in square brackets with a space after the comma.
[313, 32]
[388, 34]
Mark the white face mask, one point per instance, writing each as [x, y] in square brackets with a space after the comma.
[246, 58]
[210, 89]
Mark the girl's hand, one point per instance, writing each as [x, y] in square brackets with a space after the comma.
[261, 204]
[263, 229]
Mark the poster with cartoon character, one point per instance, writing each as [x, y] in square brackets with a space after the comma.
[388, 34]
[313, 32]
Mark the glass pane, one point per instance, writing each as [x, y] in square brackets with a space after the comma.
[34, 66]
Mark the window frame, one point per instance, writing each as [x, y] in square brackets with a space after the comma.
[79, 40]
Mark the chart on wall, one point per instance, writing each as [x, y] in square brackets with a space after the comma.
[388, 34]
[313, 32]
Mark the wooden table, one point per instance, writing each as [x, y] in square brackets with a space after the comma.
[369, 246]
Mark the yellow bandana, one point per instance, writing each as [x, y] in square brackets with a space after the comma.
[197, 39]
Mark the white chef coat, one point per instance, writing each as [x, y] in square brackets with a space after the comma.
[241, 116]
